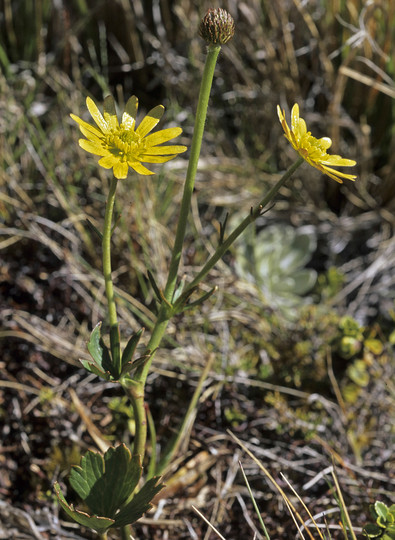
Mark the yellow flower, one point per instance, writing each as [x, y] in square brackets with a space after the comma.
[123, 145]
[311, 149]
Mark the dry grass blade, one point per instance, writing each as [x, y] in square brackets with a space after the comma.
[208, 523]
[254, 503]
[273, 481]
[343, 506]
[304, 506]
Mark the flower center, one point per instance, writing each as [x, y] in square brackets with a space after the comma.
[312, 147]
[125, 144]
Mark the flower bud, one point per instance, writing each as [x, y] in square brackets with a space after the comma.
[217, 26]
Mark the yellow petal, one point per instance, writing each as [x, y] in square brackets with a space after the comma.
[150, 121]
[162, 136]
[338, 173]
[164, 150]
[295, 117]
[93, 148]
[121, 170]
[338, 160]
[108, 161]
[156, 159]
[300, 129]
[87, 126]
[96, 115]
[130, 114]
[110, 113]
[92, 136]
[139, 168]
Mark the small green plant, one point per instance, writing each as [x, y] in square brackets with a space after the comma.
[384, 522]
[113, 488]
[275, 260]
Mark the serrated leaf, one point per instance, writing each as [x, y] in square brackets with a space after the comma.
[99, 524]
[130, 348]
[123, 472]
[140, 503]
[83, 477]
[106, 482]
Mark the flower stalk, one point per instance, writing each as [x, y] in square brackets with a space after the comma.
[200, 120]
[106, 253]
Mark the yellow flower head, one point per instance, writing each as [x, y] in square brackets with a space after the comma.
[311, 149]
[123, 145]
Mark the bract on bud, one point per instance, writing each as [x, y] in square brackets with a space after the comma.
[217, 26]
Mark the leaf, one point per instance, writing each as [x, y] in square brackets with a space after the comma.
[106, 482]
[199, 301]
[115, 350]
[140, 503]
[390, 532]
[123, 472]
[83, 477]
[154, 286]
[139, 362]
[95, 230]
[222, 228]
[99, 524]
[381, 509]
[130, 348]
[92, 368]
[101, 357]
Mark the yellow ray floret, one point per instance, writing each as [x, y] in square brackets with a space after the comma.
[311, 149]
[124, 145]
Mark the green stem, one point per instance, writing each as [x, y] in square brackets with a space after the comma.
[201, 113]
[135, 392]
[106, 246]
[152, 433]
[126, 532]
